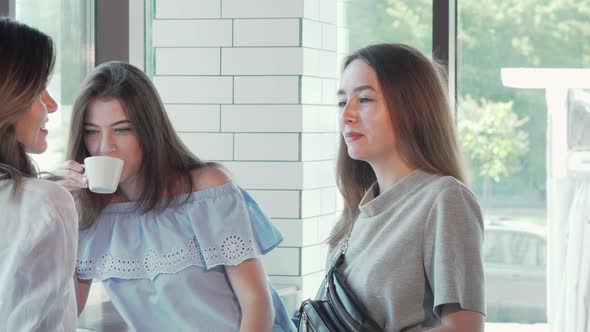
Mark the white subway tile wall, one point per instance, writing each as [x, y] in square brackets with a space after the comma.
[265, 60]
[194, 89]
[266, 89]
[188, 61]
[176, 9]
[267, 147]
[252, 84]
[312, 34]
[194, 118]
[262, 118]
[192, 33]
[267, 32]
[261, 8]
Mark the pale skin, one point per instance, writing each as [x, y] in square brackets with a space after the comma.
[109, 132]
[365, 124]
[30, 129]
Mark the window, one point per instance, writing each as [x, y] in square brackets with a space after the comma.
[504, 130]
[388, 21]
[70, 25]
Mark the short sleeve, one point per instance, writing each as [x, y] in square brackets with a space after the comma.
[232, 228]
[453, 239]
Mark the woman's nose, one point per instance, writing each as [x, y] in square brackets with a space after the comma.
[349, 113]
[49, 102]
[107, 144]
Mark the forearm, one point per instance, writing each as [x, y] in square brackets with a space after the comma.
[257, 317]
[455, 320]
[82, 290]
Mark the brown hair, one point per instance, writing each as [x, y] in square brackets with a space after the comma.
[415, 95]
[167, 162]
[26, 62]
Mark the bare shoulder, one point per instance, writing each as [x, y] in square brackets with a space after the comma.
[209, 177]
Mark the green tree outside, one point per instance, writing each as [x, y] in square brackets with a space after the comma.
[492, 139]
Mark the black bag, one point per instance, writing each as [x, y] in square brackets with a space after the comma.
[335, 308]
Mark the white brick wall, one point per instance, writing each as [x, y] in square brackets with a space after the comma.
[192, 33]
[266, 32]
[328, 11]
[311, 90]
[188, 61]
[194, 89]
[320, 146]
[200, 145]
[312, 34]
[311, 9]
[252, 84]
[320, 119]
[261, 118]
[262, 8]
[262, 61]
[188, 9]
[284, 147]
[190, 118]
[267, 175]
[266, 89]
[279, 203]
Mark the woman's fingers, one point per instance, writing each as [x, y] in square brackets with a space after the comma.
[72, 166]
[72, 176]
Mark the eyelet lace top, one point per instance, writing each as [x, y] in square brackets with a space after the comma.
[217, 226]
[168, 264]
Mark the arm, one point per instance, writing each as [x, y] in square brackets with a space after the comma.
[248, 281]
[455, 319]
[453, 263]
[43, 290]
[82, 290]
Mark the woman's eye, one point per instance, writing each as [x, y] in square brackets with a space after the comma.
[89, 132]
[122, 130]
[341, 104]
[364, 100]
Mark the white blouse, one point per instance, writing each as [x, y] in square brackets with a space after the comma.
[38, 244]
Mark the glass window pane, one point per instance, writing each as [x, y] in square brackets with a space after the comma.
[579, 119]
[503, 129]
[381, 21]
[69, 23]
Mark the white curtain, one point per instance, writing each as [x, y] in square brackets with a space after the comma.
[568, 274]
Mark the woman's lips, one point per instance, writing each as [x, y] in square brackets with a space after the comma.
[351, 137]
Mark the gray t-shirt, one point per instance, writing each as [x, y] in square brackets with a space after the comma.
[414, 248]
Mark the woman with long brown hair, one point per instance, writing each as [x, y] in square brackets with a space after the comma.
[39, 223]
[411, 230]
[178, 242]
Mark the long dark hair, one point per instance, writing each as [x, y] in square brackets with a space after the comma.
[26, 63]
[167, 162]
[415, 94]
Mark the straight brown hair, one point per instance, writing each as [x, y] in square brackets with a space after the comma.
[167, 162]
[26, 63]
[415, 94]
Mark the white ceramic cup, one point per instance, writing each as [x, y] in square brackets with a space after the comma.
[103, 173]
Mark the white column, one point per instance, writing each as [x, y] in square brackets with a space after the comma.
[252, 84]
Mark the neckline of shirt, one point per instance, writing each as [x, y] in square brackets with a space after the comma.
[371, 206]
[179, 200]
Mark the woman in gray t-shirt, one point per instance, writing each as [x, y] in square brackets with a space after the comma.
[416, 232]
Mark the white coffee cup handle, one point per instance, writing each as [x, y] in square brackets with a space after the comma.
[84, 176]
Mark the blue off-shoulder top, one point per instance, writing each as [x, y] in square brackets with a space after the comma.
[164, 271]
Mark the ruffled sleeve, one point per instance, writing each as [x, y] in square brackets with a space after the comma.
[222, 225]
[232, 228]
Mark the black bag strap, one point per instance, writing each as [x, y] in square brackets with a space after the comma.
[335, 264]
